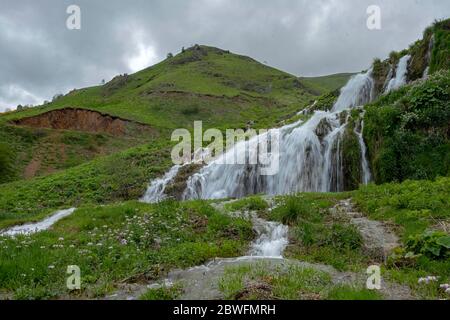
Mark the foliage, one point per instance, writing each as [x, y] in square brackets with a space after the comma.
[122, 176]
[407, 131]
[118, 243]
[347, 292]
[253, 203]
[6, 162]
[434, 244]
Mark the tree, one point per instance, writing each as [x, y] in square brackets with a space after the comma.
[57, 96]
[103, 81]
[169, 55]
[19, 107]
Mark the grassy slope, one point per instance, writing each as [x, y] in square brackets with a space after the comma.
[37, 152]
[410, 208]
[327, 83]
[407, 131]
[124, 243]
[220, 88]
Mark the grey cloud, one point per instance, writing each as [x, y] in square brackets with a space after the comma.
[39, 56]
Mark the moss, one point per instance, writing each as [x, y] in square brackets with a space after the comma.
[178, 185]
[351, 158]
[441, 50]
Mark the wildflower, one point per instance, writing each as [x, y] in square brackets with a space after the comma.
[61, 239]
[90, 244]
[51, 267]
[444, 286]
[123, 242]
[447, 290]
[42, 247]
[428, 279]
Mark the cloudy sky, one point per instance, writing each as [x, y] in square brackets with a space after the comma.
[40, 57]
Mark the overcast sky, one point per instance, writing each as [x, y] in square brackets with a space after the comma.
[39, 56]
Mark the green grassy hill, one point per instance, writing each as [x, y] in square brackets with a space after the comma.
[216, 86]
[222, 89]
[327, 83]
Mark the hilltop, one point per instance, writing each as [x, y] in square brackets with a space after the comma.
[222, 89]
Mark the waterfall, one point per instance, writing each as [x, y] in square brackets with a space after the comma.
[310, 155]
[366, 175]
[428, 57]
[155, 192]
[357, 92]
[400, 74]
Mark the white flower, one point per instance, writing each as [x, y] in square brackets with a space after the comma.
[444, 286]
[447, 290]
[90, 244]
[51, 267]
[61, 239]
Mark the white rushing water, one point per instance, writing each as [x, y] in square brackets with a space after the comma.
[45, 224]
[272, 239]
[155, 192]
[366, 175]
[400, 74]
[310, 155]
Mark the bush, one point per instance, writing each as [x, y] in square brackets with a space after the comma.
[433, 244]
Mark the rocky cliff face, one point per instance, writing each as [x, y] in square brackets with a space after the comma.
[82, 120]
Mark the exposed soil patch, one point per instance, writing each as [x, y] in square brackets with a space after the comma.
[83, 120]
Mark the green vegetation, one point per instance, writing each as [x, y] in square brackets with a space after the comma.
[263, 282]
[406, 131]
[254, 203]
[42, 151]
[351, 156]
[164, 293]
[420, 212]
[316, 234]
[289, 282]
[347, 292]
[413, 205]
[6, 162]
[118, 177]
[329, 83]
[128, 242]
[201, 83]
[441, 50]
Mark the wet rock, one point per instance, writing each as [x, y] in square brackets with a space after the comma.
[323, 128]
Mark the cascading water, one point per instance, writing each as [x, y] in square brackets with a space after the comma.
[428, 57]
[310, 155]
[400, 74]
[366, 175]
[155, 192]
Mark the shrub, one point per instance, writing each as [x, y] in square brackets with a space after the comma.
[434, 244]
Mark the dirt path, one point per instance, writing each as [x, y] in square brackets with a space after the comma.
[379, 239]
